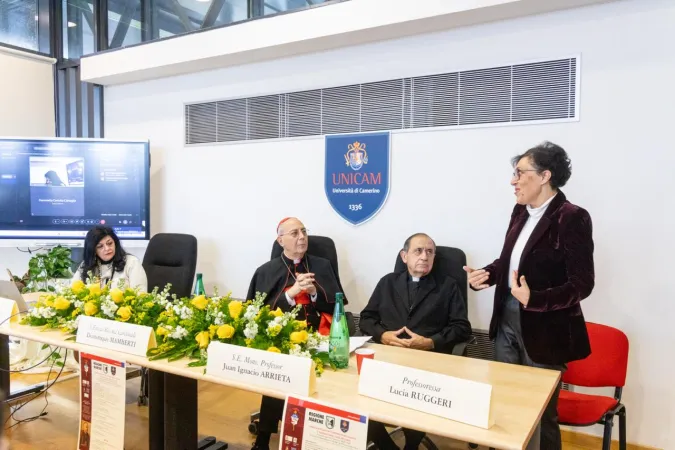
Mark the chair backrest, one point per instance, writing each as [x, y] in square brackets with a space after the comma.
[321, 246]
[607, 364]
[449, 261]
[171, 258]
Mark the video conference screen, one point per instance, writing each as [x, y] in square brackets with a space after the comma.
[61, 188]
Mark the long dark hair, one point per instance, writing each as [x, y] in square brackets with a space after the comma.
[90, 260]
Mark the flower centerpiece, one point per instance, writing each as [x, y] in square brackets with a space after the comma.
[187, 326]
[63, 308]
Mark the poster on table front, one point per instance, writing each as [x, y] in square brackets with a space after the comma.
[311, 425]
[102, 403]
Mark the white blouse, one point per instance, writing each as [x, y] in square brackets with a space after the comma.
[133, 274]
[535, 214]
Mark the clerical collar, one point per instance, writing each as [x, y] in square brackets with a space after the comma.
[414, 279]
[295, 261]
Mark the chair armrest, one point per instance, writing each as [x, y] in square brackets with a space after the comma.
[460, 348]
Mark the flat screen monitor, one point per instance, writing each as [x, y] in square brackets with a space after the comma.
[55, 190]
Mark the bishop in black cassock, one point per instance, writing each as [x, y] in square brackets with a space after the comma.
[414, 309]
[294, 278]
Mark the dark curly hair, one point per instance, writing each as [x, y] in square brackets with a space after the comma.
[551, 157]
[90, 260]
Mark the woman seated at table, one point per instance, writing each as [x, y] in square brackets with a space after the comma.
[107, 261]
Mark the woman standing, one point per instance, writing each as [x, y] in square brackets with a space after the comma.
[544, 271]
[105, 258]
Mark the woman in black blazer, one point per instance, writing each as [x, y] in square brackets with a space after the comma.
[544, 271]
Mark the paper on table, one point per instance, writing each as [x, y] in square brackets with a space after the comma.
[354, 343]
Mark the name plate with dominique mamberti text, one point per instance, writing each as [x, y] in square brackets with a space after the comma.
[454, 398]
[286, 373]
[117, 336]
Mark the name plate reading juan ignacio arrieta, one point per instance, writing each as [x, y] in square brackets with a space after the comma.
[454, 398]
[286, 373]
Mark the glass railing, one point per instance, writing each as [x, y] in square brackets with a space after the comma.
[135, 21]
[88, 26]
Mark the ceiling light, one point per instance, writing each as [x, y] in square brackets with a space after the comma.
[71, 24]
[36, 17]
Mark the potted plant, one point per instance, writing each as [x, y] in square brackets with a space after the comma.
[44, 269]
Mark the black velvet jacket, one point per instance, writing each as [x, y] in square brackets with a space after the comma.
[557, 263]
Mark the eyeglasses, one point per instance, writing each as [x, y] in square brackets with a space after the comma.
[296, 233]
[519, 172]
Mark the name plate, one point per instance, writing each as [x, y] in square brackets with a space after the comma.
[286, 373]
[113, 335]
[8, 312]
[457, 399]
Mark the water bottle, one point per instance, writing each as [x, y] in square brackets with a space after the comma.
[199, 286]
[338, 342]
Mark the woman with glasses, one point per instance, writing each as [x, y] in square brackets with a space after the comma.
[107, 261]
[543, 273]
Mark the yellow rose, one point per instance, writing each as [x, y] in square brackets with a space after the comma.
[274, 350]
[299, 337]
[202, 339]
[200, 302]
[225, 331]
[61, 303]
[117, 296]
[77, 286]
[235, 308]
[76, 312]
[212, 330]
[277, 312]
[125, 313]
[94, 289]
[161, 331]
[90, 308]
[300, 325]
[49, 303]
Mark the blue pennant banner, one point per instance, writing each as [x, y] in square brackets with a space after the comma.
[357, 174]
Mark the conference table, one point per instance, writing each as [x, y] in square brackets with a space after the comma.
[519, 396]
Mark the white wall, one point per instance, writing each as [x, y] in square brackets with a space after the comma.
[26, 110]
[452, 184]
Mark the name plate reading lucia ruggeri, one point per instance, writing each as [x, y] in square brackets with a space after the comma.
[454, 398]
[286, 373]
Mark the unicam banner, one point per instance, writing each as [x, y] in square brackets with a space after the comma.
[357, 174]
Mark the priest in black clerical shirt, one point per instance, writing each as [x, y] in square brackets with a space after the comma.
[294, 278]
[418, 310]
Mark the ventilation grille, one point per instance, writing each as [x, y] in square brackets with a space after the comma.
[545, 90]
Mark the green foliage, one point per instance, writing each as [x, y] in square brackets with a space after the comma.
[45, 267]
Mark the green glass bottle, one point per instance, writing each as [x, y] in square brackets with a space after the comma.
[199, 285]
[338, 343]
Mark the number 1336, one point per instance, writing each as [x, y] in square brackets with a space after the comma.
[356, 207]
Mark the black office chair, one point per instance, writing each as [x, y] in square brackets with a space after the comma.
[169, 258]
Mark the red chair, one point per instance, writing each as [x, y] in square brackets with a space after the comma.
[605, 367]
